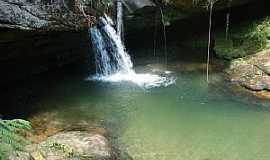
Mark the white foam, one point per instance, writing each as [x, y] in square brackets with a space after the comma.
[145, 80]
[114, 64]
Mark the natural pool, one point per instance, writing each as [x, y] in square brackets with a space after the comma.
[189, 120]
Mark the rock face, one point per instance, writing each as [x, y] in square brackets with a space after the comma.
[196, 5]
[73, 145]
[66, 15]
[252, 73]
[39, 15]
[56, 15]
[133, 5]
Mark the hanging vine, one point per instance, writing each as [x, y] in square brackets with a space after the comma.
[228, 17]
[209, 4]
[164, 35]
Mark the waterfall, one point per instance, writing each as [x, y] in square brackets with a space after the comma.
[113, 63]
[103, 65]
[120, 24]
[110, 54]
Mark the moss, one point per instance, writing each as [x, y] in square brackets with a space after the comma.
[245, 39]
[63, 148]
[65, 151]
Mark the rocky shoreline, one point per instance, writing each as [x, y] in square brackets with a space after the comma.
[55, 139]
[252, 73]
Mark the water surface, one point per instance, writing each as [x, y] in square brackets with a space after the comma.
[189, 120]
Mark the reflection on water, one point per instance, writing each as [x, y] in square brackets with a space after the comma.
[188, 120]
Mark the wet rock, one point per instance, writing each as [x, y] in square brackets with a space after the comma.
[73, 145]
[252, 73]
[50, 123]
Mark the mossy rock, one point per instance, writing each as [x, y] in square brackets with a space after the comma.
[73, 145]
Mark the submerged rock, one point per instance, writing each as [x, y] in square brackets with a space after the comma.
[50, 123]
[73, 145]
[57, 139]
[252, 73]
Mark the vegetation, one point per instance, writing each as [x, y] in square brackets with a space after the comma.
[245, 39]
[10, 135]
[260, 33]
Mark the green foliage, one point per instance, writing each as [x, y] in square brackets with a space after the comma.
[10, 135]
[244, 39]
[260, 33]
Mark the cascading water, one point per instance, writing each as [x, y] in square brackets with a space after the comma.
[120, 24]
[111, 56]
[113, 64]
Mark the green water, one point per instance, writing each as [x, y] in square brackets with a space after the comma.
[189, 120]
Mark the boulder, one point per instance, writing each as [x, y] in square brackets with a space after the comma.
[252, 72]
[73, 145]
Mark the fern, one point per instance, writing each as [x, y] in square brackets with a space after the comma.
[10, 135]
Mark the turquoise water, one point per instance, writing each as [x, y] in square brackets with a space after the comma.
[189, 120]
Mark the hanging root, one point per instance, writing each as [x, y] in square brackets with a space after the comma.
[228, 19]
[164, 36]
[89, 19]
[155, 34]
[210, 7]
